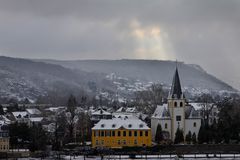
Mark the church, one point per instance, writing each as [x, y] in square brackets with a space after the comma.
[176, 113]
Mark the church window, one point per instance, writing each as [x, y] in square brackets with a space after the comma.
[178, 118]
[165, 125]
[194, 124]
[181, 104]
[175, 104]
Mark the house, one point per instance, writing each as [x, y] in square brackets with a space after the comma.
[33, 112]
[176, 113]
[100, 114]
[121, 132]
[4, 138]
[21, 117]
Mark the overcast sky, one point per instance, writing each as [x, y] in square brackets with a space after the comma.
[204, 32]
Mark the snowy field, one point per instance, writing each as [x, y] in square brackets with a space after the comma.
[151, 157]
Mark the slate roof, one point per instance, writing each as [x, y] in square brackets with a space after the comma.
[161, 112]
[176, 90]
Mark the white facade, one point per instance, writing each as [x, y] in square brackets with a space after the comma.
[177, 113]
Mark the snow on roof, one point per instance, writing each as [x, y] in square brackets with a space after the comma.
[116, 123]
[55, 109]
[21, 113]
[198, 106]
[4, 120]
[33, 111]
[191, 112]
[124, 115]
[101, 112]
[128, 109]
[161, 112]
[36, 119]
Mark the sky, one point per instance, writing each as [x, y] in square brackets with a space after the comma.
[203, 32]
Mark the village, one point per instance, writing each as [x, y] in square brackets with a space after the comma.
[30, 128]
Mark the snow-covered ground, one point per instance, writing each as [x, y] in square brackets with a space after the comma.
[151, 157]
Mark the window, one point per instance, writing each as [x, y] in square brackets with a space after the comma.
[165, 125]
[181, 104]
[178, 118]
[146, 133]
[130, 133]
[130, 126]
[135, 133]
[135, 141]
[141, 134]
[124, 133]
[175, 104]
[119, 142]
[102, 133]
[119, 133]
[141, 125]
[96, 142]
[102, 142]
[113, 133]
[124, 142]
[102, 125]
[194, 124]
[108, 133]
[114, 125]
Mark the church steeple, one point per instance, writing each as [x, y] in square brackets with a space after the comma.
[176, 91]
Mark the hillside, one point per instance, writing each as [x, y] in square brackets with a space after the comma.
[22, 78]
[193, 77]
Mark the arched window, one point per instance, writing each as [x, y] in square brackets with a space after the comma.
[165, 125]
[181, 104]
[175, 104]
[194, 124]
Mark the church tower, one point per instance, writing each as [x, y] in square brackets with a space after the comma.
[176, 106]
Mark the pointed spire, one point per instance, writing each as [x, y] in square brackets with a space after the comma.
[176, 91]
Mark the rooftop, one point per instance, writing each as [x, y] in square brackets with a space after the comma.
[117, 123]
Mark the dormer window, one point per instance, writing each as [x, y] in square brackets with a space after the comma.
[130, 126]
[141, 125]
[102, 125]
[114, 125]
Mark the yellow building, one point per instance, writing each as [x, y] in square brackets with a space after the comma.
[118, 133]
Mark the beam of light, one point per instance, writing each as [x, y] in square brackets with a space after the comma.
[151, 42]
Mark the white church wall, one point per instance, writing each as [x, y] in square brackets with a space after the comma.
[189, 126]
[162, 122]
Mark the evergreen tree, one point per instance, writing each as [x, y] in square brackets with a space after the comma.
[71, 107]
[179, 138]
[188, 138]
[159, 135]
[194, 138]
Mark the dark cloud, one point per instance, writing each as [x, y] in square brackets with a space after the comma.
[202, 32]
